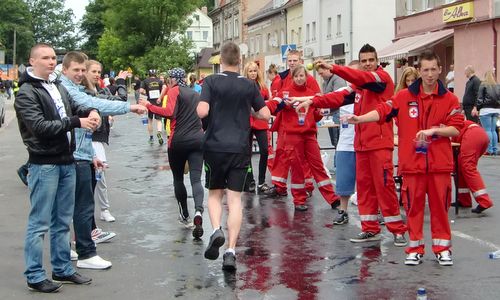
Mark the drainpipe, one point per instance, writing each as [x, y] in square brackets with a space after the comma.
[495, 41]
[351, 33]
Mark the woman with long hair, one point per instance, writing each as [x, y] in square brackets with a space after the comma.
[260, 129]
[302, 145]
[410, 74]
[488, 109]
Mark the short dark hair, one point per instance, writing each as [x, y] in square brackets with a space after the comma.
[367, 48]
[428, 54]
[38, 46]
[74, 56]
[230, 54]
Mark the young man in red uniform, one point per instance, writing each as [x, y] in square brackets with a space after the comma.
[281, 165]
[373, 143]
[428, 115]
[473, 143]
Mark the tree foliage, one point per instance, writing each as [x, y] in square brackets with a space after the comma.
[139, 31]
[92, 26]
[14, 14]
[53, 24]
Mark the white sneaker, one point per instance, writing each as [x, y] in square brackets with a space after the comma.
[413, 259]
[354, 199]
[444, 258]
[73, 255]
[106, 216]
[95, 263]
[99, 236]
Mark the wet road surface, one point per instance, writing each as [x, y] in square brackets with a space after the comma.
[281, 254]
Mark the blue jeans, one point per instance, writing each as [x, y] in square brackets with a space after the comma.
[489, 123]
[84, 211]
[52, 198]
[346, 172]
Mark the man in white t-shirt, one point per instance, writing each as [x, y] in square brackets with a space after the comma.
[450, 79]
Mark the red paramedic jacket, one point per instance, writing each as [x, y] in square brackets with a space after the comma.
[367, 91]
[290, 118]
[417, 111]
[283, 83]
[259, 124]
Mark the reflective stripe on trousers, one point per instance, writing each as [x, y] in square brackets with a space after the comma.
[440, 242]
[280, 179]
[414, 244]
[393, 219]
[479, 193]
[368, 217]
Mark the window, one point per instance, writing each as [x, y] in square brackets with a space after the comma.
[300, 35]
[329, 28]
[269, 40]
[307, 33]
[190, 35]
[313, 33]
[226, 30]
[252, 46]
[339, 25]
[236, 26]
[292, 37]
[275, 39]
[257, 43]
[205, 35]
[283, 37]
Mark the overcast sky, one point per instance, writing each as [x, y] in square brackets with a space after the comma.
[78, 7]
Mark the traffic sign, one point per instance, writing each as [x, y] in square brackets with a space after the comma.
[129, 70]
[286, 48]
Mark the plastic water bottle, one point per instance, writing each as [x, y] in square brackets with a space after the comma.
[494, 255]
[421, 294]
[88, 134]
[98, 174]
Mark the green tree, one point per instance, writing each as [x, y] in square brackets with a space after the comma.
[53, 24]
[92, 26]
[135, 29]
[14, 14]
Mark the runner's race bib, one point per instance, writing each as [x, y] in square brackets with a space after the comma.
[154, 94]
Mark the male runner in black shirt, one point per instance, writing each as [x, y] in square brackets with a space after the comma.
[151, 87]
[227, 100]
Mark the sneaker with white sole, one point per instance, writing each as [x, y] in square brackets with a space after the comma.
[73, 255]
[400, 240]
[99, 236]
[413, 259]
[366, 237]
[106, 216]
[198, 226]
[186, 222]
[94, 263]
[444, 258]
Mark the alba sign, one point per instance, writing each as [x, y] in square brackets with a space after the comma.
[458, 12]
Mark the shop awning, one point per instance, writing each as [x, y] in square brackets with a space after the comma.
[214, 60]
[413, 45]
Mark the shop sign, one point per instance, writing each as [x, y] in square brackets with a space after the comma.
[458, 12]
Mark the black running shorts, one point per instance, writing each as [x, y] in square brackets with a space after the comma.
[226, 170]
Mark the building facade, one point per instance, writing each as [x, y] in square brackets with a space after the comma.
[461, 32]
[201, 30]
[228, 17]
[335, 30]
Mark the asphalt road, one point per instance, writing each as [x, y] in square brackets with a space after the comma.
[281, 254]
